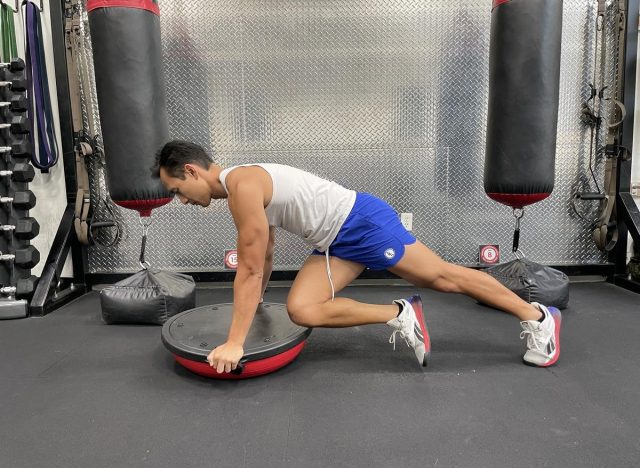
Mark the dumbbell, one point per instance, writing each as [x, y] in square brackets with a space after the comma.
[24, 287]
[21, 172]
[18, 125]
[17, 85]
[24, 229]
[21, 149]
[16, 65]
[20, 200]
[24, 258]
[16, 104]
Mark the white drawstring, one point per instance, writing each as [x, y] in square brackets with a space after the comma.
[333, 293]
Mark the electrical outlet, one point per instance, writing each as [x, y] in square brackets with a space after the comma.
[635, 190]
[407, 220]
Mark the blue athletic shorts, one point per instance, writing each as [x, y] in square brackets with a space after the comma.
[372, 235]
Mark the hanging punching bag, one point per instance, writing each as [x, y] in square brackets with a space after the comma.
[125, 36]
[524, 82]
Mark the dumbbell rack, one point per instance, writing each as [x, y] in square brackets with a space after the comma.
[13, 276]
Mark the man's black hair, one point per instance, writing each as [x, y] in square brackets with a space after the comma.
[175, 154]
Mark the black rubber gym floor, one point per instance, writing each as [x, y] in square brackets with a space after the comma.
[77, 393]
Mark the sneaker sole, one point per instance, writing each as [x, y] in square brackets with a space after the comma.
[416, 304]
[557, 318]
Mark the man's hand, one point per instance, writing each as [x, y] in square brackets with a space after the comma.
[225, 357]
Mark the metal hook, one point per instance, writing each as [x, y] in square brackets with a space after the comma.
[145, 226]
[518, 213]
[7, 5]
[519, 254]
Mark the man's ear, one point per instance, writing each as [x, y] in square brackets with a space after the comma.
[191, 170]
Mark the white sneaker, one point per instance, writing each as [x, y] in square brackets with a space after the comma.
[409, 324]
[543, 338]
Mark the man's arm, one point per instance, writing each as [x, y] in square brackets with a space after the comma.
[246, 203]
[268, 261]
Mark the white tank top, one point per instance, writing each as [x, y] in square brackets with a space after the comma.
[304, 204]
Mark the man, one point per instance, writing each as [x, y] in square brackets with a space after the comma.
[350, 231]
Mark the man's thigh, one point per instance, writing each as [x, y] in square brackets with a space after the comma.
[312, 286]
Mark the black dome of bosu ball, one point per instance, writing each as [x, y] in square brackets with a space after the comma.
[273, 340]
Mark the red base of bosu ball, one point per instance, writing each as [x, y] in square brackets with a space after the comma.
[251, 369]
[273, 340]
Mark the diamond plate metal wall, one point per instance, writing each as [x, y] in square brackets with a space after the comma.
[388, 97]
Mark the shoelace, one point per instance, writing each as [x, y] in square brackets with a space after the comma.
[392, 338]
[536, 336]
[403, 335]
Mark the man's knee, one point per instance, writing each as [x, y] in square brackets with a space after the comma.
[301, 313]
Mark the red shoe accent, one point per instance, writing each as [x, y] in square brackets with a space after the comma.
[416, 303]
[557, 318]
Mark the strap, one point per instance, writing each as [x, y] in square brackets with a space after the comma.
[9, 48]
[72, 67]
[605, 230]
[49, 131]
[622, 28]
[605, 233]
[518, 213]
[110, 223]
[623, 113]
[145, 231]
[81, 149]
[82, 69]
[81, 212]
[83, 194]
[86, 136]
[46, 152]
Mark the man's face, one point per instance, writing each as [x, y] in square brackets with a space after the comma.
[192, 190]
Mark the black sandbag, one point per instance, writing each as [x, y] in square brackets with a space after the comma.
[533, 282]
[148, 297]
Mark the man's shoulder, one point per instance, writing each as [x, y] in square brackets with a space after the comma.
[249, 183]
[239, 175]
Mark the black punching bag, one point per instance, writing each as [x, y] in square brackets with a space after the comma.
[524, 82]
[127, 53]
